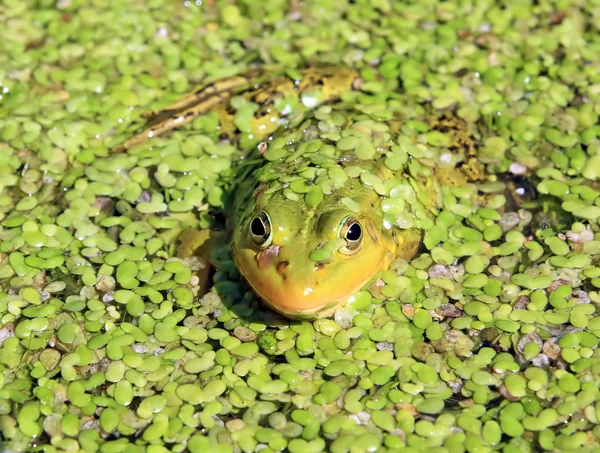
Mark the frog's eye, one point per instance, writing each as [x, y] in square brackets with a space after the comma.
[260, 230]
[351, 232]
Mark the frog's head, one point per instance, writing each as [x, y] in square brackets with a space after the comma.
[274, 245]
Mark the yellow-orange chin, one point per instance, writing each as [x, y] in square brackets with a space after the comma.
[305, 297]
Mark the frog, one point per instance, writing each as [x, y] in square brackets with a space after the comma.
[325, 197]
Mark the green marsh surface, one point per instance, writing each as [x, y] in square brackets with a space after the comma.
[487, 341]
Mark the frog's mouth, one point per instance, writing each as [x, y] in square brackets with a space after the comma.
[306, 290]
[302, 300]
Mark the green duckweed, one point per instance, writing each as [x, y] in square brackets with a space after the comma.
[486, 341]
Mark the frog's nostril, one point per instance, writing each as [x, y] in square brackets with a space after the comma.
[319, 266]
[282, 266]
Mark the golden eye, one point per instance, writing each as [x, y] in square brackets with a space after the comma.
[260, 230]
[351, 232]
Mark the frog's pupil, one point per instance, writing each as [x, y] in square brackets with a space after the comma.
[354, 232]
[257, 227]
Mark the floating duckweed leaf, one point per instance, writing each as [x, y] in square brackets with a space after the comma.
[314, 196]
[300, 186]
[351, 204]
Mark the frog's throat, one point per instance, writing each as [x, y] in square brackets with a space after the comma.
[297, 307]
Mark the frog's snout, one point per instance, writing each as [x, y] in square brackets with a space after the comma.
[282, 268]
[294, 275]
[285, 277]
[284, 281]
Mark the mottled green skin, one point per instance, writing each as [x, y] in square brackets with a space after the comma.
[335, 164]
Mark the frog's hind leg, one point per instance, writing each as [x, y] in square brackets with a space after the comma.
[470, 169]
[219, 87]
[188, 108]
[178, 119]
[464, 166]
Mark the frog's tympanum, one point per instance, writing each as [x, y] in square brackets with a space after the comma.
[329, 193]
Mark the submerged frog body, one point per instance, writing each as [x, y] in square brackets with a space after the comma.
[334, 203]
[323, 206]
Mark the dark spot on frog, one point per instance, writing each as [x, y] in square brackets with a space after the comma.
[281, 268]
[259, 190]
[372, 232]
[319, 266]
